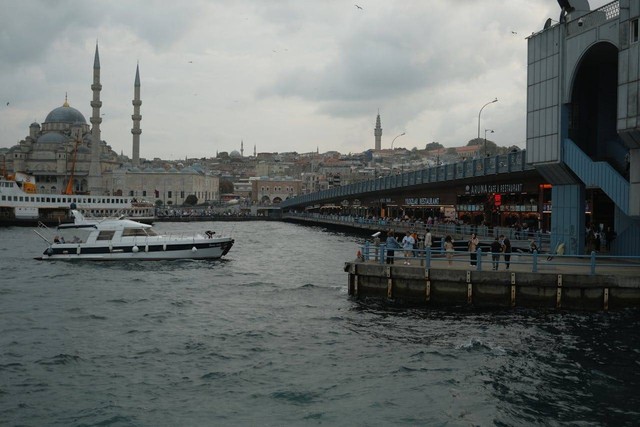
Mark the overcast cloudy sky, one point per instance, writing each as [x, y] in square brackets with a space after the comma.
[282, 75]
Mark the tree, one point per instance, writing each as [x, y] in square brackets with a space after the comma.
[226, 186]
[191, 200]
[433, 146]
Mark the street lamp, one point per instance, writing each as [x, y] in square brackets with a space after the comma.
[394, 139]
[485, 140]
[490, 102]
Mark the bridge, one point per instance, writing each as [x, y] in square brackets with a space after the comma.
[581, 166]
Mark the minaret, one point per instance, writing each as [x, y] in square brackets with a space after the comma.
[95, 174]
[241, 148]
[378, 133]
[136, 117]
[254, 150]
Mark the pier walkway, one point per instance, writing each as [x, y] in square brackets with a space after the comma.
[532, 280]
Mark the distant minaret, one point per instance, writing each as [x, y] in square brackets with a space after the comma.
[241, 148]
[378, 133]
[95, 174]
[254, 150]
[136, 117]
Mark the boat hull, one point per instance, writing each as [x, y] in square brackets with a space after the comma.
[196, 250]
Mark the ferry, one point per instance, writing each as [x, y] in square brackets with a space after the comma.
[112, 239]
[21, 204]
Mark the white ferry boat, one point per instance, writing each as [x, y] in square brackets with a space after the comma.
[112, 239]
[20, 204]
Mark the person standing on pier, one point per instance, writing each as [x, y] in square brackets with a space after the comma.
[506, 250]
[392, 244]
[428, 239]
[407, 244]
[449, 249]
[473, 247]
[496, 248]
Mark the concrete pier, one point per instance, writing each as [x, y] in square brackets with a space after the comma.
[560, 287]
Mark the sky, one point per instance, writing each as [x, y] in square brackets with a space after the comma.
[279, 75]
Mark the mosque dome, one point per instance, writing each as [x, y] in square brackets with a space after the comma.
[53, 138]
[235, 154]
[65, 114]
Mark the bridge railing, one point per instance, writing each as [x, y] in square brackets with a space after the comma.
[458, 232]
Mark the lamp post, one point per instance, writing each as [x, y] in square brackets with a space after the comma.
[394, 139]
[490, 102]
[485, 140]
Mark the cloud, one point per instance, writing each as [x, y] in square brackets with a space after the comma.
[283, 75]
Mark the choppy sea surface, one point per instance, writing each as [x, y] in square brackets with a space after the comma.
[268, 336]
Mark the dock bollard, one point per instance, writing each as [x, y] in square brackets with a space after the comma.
[534, 269]
[383, 251]
[479, 260]
[365, 251]
[427, 257]
[593, 263]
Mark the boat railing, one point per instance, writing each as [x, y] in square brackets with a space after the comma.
[44, 232]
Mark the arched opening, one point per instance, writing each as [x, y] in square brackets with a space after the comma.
[593, 123]
[593, 107]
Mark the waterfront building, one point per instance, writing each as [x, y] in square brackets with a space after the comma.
[65, 147]
[265, 190]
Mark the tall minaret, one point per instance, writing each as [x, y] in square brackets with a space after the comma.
[254, 150]
[95, 173]
[378, 133]
[136, 117]
[241, 148]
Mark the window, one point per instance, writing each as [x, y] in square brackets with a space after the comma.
[633, 31]
[106, 235]
[128, 232]
[144, 193]
[169, 194]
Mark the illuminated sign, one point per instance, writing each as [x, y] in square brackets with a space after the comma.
[493, 188]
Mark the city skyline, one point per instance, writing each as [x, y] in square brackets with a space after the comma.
[281, 76]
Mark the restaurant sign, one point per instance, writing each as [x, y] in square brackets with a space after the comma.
[423, 201]
[493, 188]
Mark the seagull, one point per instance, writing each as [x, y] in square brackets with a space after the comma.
[7, 102]
[513, 32]
[359, 7]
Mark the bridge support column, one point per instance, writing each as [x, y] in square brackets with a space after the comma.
[567, 217]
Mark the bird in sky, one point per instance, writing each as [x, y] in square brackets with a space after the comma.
[513, 32]
[7, 102]
[359, 7]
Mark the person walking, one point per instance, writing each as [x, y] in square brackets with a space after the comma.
[506, 250]
[407, 245]
[496, 248]
[473, 248]
[392, 244]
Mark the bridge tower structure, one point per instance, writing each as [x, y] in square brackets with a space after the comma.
[583, 120]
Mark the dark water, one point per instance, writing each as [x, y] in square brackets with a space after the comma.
[270, 337]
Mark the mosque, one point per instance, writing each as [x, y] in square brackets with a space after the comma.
[66, 148]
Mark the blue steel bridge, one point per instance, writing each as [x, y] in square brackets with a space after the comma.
[435, 180]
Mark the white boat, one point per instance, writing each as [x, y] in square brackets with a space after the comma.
[20, 204]
[124, 239]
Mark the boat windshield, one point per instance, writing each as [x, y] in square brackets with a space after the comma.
[129, 232]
